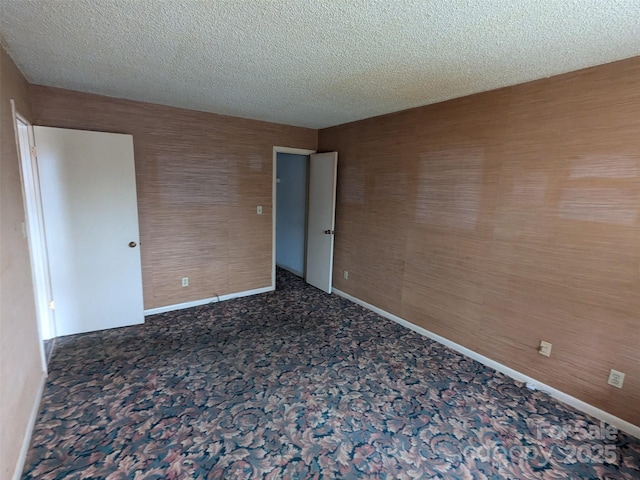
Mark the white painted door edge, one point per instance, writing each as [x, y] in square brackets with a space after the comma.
[576, 403]
[274, 186]
[204, 301]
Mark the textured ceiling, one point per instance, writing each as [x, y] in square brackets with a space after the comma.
[310, 63]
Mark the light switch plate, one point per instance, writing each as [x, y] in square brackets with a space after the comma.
[544, 348]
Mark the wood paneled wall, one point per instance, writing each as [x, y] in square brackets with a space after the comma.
[20, 362]
[506, 218]
[200, 177]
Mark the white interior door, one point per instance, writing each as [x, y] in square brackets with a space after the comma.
[87, 182]
[321, 219]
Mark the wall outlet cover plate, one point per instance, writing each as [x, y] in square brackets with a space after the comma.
[616, 378]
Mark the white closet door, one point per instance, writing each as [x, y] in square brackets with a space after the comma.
[322, 211]
[88, 186]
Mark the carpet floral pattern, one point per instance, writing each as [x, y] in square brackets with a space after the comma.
[298, 384]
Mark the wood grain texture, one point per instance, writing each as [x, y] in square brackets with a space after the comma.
[506, 218]
[200, 177]
[20, 365]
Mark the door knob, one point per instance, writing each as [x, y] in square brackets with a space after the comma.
[132, 244]
[329, 232]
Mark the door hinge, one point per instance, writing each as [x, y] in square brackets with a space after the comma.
[52, 305]
[34, 151]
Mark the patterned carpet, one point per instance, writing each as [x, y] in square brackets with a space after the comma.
[299, 384]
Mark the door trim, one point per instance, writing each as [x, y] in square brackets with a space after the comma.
[276, 151]
[33, 226]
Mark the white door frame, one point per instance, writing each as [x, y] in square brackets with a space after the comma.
[276, 151]
[34, 231]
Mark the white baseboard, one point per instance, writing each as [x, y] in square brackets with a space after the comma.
[26, 440]
[197, 303]
[576, 403]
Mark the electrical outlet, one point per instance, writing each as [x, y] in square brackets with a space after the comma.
[345, 274]
[544, 348]
[185, 281]
[616, 378]
[259, 210]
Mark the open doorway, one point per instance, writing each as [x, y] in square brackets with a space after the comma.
[291, 216]
[304, 200]
[291, 172]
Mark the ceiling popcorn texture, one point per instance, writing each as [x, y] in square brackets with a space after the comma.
[310, 63]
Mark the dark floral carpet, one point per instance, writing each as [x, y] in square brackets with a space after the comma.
[300, 384]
